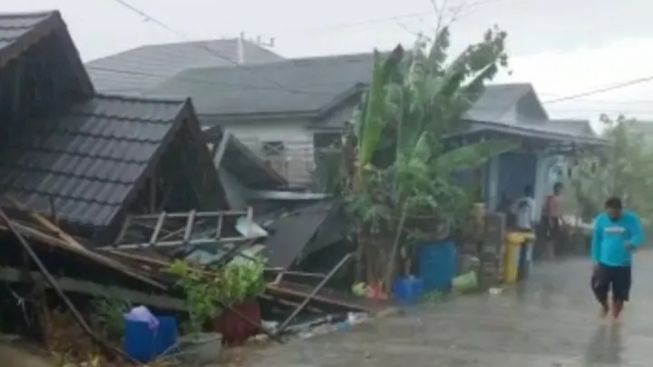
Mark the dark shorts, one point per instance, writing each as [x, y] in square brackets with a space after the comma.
[612, 278]
[551, 228]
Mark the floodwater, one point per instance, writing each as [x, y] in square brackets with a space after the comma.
[551, 321]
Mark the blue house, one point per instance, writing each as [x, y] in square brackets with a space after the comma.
[514, 112]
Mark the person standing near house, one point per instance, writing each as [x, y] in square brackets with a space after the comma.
[524, 211]
[617, 234]
[552, 220]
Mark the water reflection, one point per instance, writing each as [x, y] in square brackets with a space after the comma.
[605, 346]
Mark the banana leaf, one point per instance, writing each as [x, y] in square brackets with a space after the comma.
[374, 112]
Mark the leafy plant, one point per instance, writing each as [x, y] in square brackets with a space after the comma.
[624, 168]
[402, 185]
[205, 290]
[109, 313]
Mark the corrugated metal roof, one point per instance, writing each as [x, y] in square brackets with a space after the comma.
[148, 66]
[88, 159]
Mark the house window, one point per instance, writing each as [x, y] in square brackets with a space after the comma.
[327, 140]
[273, 148]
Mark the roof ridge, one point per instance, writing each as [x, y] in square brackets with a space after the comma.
[166, 44]
[140, 98]
[280, 62]
[29, 14]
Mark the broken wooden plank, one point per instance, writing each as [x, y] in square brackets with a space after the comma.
[198, 214]
[189, 226]
[218, 230]
[74, 285]
[157, 229]
[284, 290]
[93, 256]
[314, 292]
[197, 242]
[47, 224]
[218, 154]
[53, 283]
[123, 229]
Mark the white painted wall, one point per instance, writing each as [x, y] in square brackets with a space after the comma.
[298, 163]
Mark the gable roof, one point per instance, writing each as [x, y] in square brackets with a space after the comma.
[146, 67]
[508, 103]
[19, 32]
[308, 85]
[90, 158]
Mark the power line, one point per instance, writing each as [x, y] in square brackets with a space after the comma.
[208, 49]
[601, 90]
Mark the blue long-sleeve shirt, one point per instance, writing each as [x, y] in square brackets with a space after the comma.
[610, 239]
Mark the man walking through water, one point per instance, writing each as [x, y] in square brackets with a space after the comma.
[617, 234]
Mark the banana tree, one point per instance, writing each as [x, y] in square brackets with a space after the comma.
[403, 180]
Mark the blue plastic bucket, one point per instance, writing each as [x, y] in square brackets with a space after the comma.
[437, 265]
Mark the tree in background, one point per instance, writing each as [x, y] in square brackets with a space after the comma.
[399, 170]
[624, 169]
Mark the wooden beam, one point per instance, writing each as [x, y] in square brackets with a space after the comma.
[198, 214]
[43, 271]
[218, 230]
[315, 291]
[123, 230]
[190, 222]
[222, 148]
[48, 225]
[157, 229]
[10, 274]
[197, 242]
[87, 254]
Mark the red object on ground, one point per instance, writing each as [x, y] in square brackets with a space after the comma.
[235, 330]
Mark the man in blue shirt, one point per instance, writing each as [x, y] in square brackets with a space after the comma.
[617, 234]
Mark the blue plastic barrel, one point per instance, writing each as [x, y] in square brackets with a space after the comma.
[408, 290]
[166, 335]
[139, 341]
[145, 344]
[437, 265]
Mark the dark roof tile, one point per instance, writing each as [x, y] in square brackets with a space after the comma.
[88, 159]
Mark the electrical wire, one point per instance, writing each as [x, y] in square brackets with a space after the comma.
[601, 90]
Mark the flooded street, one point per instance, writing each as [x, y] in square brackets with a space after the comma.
[552, 321]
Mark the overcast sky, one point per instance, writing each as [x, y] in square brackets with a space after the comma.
[561, 46]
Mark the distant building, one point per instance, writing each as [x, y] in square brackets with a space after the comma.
[145, 67]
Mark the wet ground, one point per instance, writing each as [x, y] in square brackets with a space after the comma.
[552, 321]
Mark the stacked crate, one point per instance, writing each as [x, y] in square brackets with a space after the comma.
[491, 252]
